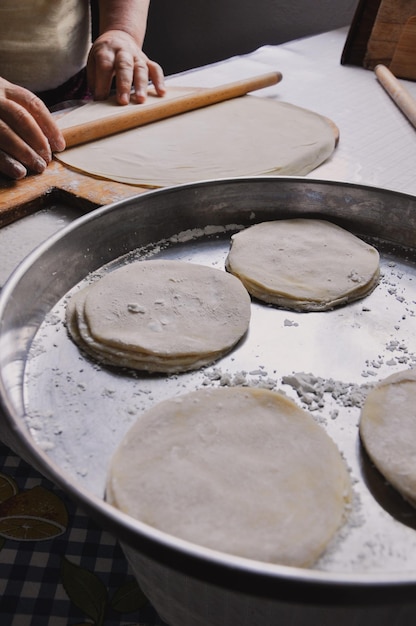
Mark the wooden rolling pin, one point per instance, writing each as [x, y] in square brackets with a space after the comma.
[138, 116]
[397, 92]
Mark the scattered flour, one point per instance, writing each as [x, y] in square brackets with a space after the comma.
[254, 378]
[311, 391]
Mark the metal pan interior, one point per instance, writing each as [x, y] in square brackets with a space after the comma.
[66, 414]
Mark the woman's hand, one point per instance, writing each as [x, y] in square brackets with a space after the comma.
[115, 53]
[28, 132]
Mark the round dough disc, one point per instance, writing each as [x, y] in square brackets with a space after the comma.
[160, 315]
[303, 264]
[388, 431]
[240, 470]
[241, 137]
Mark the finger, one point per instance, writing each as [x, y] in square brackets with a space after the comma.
[22, 137]
[19, 152]
[140, 80]
[157, 77]
[125, 68]
[36, 109]
[10, 167]
[16, 156]
[101, 73]
[47, 124]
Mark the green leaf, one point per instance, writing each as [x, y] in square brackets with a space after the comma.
[85, 590]
[128, 598]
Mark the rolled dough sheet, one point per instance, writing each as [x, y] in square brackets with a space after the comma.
[246, 136]
[240, 470]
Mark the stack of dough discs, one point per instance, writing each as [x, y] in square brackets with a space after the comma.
[160, 316]
[388, 431]
[303, 264]
[240, 470]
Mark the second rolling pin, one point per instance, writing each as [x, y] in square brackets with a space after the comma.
[397, 92]
[161, 109]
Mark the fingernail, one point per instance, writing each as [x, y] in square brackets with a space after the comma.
[140, 97]
[18, 171]
[46, 155]
[123, 98]
[58, 145]
[39, 165]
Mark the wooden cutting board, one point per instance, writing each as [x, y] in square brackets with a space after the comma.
[58, 183]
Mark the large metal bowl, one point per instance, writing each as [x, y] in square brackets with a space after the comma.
[188, 584]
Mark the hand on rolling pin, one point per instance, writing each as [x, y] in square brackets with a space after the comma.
[28, 133]
[115, 53]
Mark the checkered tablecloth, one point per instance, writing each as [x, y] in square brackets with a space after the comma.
[57, 567]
